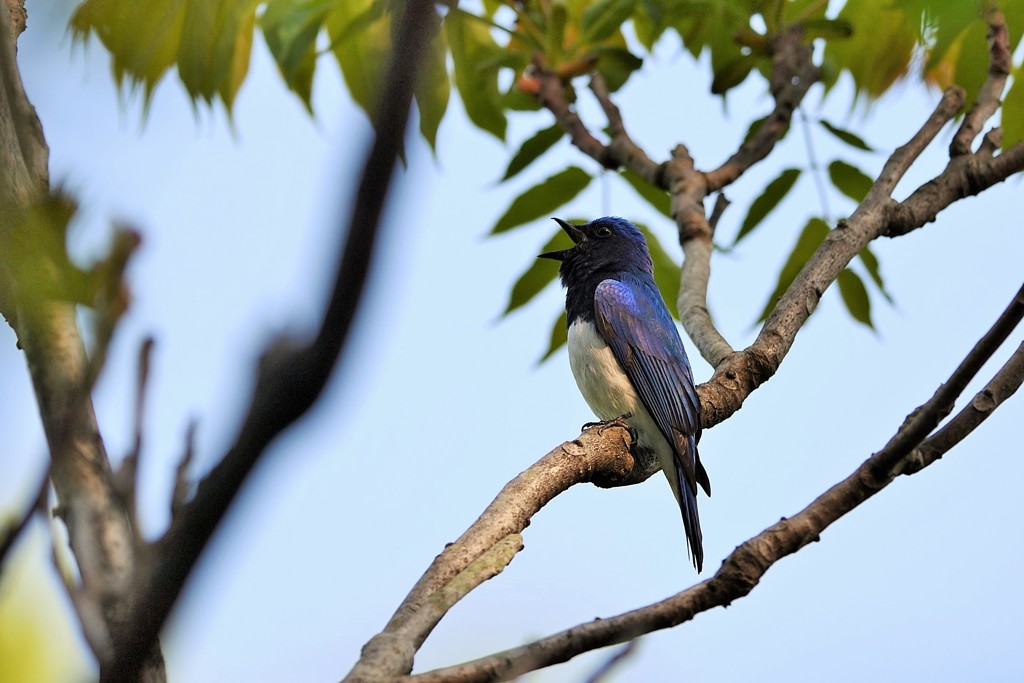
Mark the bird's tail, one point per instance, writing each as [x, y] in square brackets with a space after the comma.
[691, 521]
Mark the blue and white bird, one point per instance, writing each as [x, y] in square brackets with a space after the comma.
[627, 357]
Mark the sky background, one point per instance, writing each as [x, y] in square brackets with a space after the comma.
[439, 401]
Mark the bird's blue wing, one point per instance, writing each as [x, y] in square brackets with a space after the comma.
[632, 317]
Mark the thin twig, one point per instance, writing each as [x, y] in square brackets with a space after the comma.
[989, 96]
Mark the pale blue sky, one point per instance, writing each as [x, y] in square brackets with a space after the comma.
[438, 403]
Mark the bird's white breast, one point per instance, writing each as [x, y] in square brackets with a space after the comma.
[610, 394]
[599, 376]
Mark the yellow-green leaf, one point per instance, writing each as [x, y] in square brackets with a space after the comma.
[732, 74]
[813, 234]
[1013, 111]
[213, 55]
[881, 46]
[846, 136]
[559, 335]
[360, 33]
[850, 180]
[472, 47]
[433, 89]
[290, 28]
[603, 18]
[870, 261]
[655, 196]
[855, 296]
[540, 273]
[542, 199]
[767, 200]
[530, 150]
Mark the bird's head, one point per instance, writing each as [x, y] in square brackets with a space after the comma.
[604, 245]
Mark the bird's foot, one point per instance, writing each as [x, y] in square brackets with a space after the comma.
[619, 421]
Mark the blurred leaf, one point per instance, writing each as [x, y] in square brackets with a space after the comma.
[213, 56]
[870, 262]
[290, 28]
[530, 150]
[855, 296]
[1013, 111]
[850, 180]
[829, 29]
[543, 199]
[654, 196]
[559, 336]
[471, 46]
[875, 23]
[666, 270]
[433, 89]
[540, 273]
[616, 64]
[846, 136]
[143, 45]
[603, 18]
[360, 34]
[813, 234]
[732, 74]
[943, 22]
[768, 200]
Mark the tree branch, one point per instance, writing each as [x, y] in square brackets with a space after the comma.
[741, 373]
[291, 377]
[743, 568]
[599, 454]
[988, 97]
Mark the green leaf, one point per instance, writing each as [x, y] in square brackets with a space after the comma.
[875, 23]
[767, 200]
[870, 261]
[732, 74]
[829, 29]
[616, 64]
[1013, 111]
[603, 18]
[654, 196]
[540, 273]
[559, 336]
[213, 55]
[360, 33]
[472, 46]
[142, 45]
[666, 270]
[846, 136]
[850, 180]
[855, 296]
[813, 234]
[543, 199]
[290, 28]
[542, 141]
[433, 89]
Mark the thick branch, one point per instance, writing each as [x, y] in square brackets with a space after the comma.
[599, 454]
[743, 568]
[291, 378]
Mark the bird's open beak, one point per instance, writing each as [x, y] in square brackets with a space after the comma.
[575, 234]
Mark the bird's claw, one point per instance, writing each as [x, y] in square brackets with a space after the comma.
[619, 421]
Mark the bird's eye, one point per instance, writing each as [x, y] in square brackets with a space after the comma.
[603, 231]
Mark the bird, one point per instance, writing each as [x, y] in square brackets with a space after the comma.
[627, 357]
